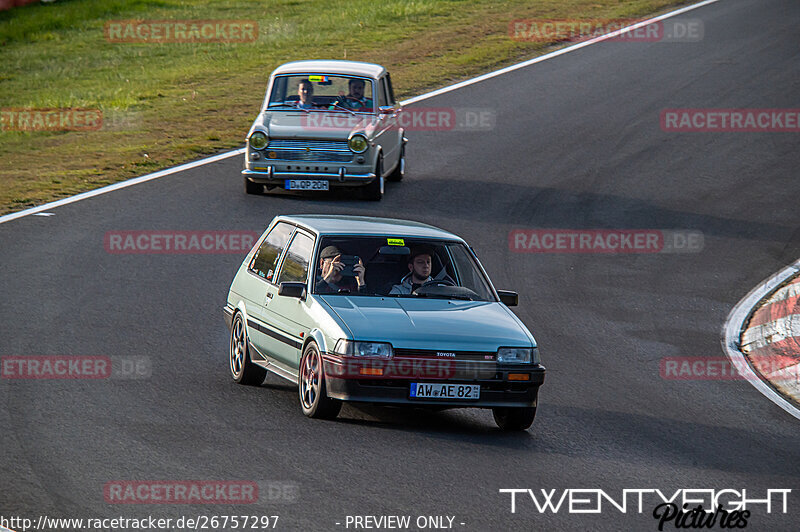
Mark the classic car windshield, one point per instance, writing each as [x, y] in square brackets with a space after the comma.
[320, 92]
[396, 266]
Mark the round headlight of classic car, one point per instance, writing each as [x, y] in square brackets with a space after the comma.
[259, 140]
[358, 143]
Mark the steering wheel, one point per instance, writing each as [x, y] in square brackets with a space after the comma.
[438, 282]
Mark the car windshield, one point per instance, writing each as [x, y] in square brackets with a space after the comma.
[322, 92]
[397, 266]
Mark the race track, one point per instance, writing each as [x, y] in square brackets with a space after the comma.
[577, 144]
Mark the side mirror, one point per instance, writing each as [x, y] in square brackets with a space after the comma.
[508, 298]
[386, 109]
[292, 289]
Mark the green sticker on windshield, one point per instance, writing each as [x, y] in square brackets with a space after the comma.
[395, 242]
[318, 79]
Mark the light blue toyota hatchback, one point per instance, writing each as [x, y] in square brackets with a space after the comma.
[382, 311]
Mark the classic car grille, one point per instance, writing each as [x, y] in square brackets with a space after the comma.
[459, 355]
[310, 150]
[302, 144]
[313, 156]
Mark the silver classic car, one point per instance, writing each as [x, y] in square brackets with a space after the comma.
[325, 125]
[382, 311]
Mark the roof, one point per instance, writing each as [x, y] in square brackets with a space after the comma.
[367, 225]
[356, 68]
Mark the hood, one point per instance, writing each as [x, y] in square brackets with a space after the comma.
[313, 125]
[414, 323]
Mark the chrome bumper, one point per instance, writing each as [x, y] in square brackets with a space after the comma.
[272, 176]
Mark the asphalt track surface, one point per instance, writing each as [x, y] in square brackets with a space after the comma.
[577, 144]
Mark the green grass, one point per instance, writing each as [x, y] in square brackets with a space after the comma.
[174, 102]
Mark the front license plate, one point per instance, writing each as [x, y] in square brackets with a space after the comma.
[306, 184]
[445, 391]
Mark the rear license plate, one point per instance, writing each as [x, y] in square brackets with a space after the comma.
[306, 184]
[445, 391]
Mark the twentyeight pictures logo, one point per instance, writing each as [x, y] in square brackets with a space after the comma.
[684, 508]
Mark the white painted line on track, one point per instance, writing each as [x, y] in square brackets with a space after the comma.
[117, 186]
[734, 325]
[437, 92]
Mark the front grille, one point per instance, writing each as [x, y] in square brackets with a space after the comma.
[310, 150]
[459, 355]
[310, 156]
[314, 144]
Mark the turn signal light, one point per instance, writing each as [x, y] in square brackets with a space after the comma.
[519, 377]
[378, 372]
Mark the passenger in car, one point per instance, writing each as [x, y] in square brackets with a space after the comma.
[355, 99]
[305, 90]
[331, 281]
[420, 262]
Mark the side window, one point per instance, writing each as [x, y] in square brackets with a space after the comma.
[298, 256]
[382, 92]
[266, 258]
[389, 89]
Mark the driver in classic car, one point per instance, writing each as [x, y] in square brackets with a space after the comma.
[355, 99]
[331, 280]
[419, 265]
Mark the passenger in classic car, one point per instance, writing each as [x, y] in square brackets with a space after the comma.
[355, 99]
[331, 280]
[305, 90]
[420, 262]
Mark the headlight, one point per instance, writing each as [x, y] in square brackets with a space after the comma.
[363, 349]
[518, 355]
[259, 140]
[358, 143]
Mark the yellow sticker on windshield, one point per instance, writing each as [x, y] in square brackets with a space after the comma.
[395, 242]
[318, 79]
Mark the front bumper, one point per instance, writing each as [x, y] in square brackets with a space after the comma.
[270, 176]
[344, 381]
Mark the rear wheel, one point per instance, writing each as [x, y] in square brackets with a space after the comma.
[243, 370]
[252, 188]
[514, 418]
[374, 191]
[314, 398]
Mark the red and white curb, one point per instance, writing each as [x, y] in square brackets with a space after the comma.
[771, 341]
[762, 338]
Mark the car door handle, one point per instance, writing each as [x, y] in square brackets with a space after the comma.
[269, 298]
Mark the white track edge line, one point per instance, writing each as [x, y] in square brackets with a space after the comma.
[437, 92]
[732, 330]
[117, 186]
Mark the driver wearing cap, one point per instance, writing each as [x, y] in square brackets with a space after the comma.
[419, 266]
[331, 280]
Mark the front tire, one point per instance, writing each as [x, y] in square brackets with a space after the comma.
[514, 419]
[374, 191]
[314, 398]
[243, 370]
[399, 170]
[252, 188]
